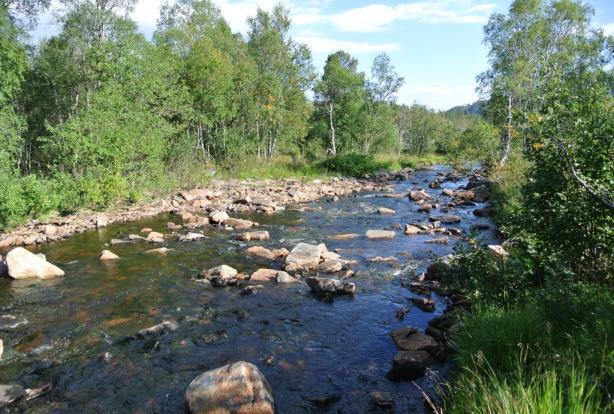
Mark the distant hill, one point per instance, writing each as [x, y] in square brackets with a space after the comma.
[476, 108]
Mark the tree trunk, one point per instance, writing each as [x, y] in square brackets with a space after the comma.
[507, 136]
[333, 148]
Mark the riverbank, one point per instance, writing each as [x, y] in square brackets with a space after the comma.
[232, 196]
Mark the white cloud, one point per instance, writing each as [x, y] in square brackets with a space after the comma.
[608, 29]
[319, 43]
[377, 17]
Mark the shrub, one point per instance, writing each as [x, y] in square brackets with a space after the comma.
[353, 164]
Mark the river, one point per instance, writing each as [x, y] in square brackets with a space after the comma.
[318, 356]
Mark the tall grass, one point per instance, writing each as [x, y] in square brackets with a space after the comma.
[545, 391]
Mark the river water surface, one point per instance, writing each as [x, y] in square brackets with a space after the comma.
[318, 356]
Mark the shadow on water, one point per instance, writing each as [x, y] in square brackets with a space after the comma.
[317, 355]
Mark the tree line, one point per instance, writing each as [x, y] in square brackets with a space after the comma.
[98, 113]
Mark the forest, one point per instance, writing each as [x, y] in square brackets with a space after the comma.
[98, 115]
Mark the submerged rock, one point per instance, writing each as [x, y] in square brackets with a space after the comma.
[323, 286]
[10, 322]
[238, 388]
[382, 399]
[303, 257]
[157, 330]
[22, 264]
[348, 236]
[108, 255]
[386, 211]
[160, 251]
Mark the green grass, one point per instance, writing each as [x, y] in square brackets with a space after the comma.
[546, 391]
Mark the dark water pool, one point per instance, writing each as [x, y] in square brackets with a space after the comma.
[309, 350]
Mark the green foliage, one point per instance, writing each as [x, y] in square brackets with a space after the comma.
[352, 164]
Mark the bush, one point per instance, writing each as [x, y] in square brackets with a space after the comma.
[353, 164]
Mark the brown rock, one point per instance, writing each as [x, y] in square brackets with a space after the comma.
[238, 388]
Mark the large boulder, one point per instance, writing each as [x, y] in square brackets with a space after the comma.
[22, 264]
[238, 388]
[303, 257]
[323, 286]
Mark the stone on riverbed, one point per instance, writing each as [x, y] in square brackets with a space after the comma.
[9, 322]
[409, 339]
[238, 388]
[192, 237]
[386, 211]
[348, 236]
[108, 255]
[155, 237]
[218, 217]
[22, 264]
[409, 365]
[10, 393]
[265, 275]
[382, 399]
[451, 219]
[303, 257]
[157, 330]
[411, 230]
[238, 224]
[263, 252]
[220, 276]
[255, 235]
[420, 196]
[160, 251]
[380, 235]
[323, 286]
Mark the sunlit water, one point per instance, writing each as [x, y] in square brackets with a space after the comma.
[308, 349]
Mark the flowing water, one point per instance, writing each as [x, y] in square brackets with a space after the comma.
[318, 356]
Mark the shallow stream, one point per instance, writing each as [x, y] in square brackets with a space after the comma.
[318, 356]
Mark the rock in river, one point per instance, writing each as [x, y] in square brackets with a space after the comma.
[409, 365]
[108, 255]
[386, 211]
[323, 286]
[221, 275]
[409, 339]
[155, 237]
[266, 275]
[380, 234]
[192, 237]
[303, 257]
[255, 235]
[238, 388]
[238, 224]
[23, 264]
[451, 219]
[10, 393]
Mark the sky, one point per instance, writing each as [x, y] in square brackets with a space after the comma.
[436, 45]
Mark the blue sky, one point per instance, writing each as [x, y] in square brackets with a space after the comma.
[435, 44]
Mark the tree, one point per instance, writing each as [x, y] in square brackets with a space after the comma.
[340, 94]
[284, 73]
[536, 44]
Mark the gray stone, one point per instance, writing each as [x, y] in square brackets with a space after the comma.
[380, 234]
[23, 264]
[303, 257]
[323, 286]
